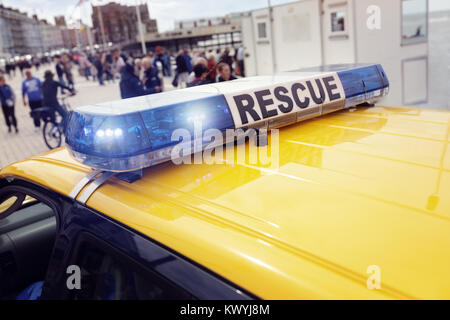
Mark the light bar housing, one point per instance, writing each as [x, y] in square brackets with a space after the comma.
[134, 133]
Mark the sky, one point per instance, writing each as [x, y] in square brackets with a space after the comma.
[165, 11]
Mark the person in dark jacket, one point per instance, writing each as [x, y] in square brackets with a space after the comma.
[99, 66]
[152, 82]
[130, 85]
[60, 72]
[50, 93]
[182, 72]
[187, 58]
[167, 64]
[8, 100]
[201, 73]
[227, 59]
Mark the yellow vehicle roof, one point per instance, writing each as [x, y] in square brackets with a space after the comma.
[353, 189]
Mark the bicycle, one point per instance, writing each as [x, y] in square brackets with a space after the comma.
[54, 126]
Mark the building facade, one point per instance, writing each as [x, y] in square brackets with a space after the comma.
[206, 33]
[312, 33]
[13, 24]
[51, 36]
[23, 35]
[119, 23]
[6, 41]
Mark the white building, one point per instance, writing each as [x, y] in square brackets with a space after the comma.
[309, 33]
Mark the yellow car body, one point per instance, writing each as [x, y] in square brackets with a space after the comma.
[358, 194]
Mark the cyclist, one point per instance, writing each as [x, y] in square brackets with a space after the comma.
[50, 92]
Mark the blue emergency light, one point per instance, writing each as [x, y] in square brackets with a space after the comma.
[134, 133]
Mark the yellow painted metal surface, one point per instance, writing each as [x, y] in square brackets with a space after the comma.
[352, 190]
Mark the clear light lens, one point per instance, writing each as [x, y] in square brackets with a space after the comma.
[118, 132]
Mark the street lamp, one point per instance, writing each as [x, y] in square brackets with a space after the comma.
[141, 31]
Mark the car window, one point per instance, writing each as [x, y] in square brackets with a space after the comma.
[107, 274]
[28, 229]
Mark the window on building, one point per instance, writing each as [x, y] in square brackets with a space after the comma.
[262, 30]
[414, 21]
[338, 23]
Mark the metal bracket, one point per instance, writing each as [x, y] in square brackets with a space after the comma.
[82, 183]
[94, 186]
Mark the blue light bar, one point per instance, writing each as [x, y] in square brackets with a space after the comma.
[134, 133]
[124, 141]
[363, 83]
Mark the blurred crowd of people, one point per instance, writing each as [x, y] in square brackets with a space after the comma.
[137, 75]
[203, 68]
[11, 66]
[144, 74]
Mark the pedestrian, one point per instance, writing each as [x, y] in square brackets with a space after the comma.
[60, 72]
[31, 88]
[130, 85]
[118, 62]
[8, 70]
[225, 72]
[13, 67]
[240, 60]
[8, 100]
[67, 66]
[218, 54]
[187, 57]
[212, 64]
[158, 63]
[167, 64]
[152, 81]
[21, 65]
[182, 69]
[200, 60]
[201, 73]
[50, 93]
[107, 66]
[99, 66]
[90, 57]
[227, 58]
[85, 65]
[93, 71]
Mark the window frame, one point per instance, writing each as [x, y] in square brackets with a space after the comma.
[265, 23]
[413, 41]
[340, 9]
